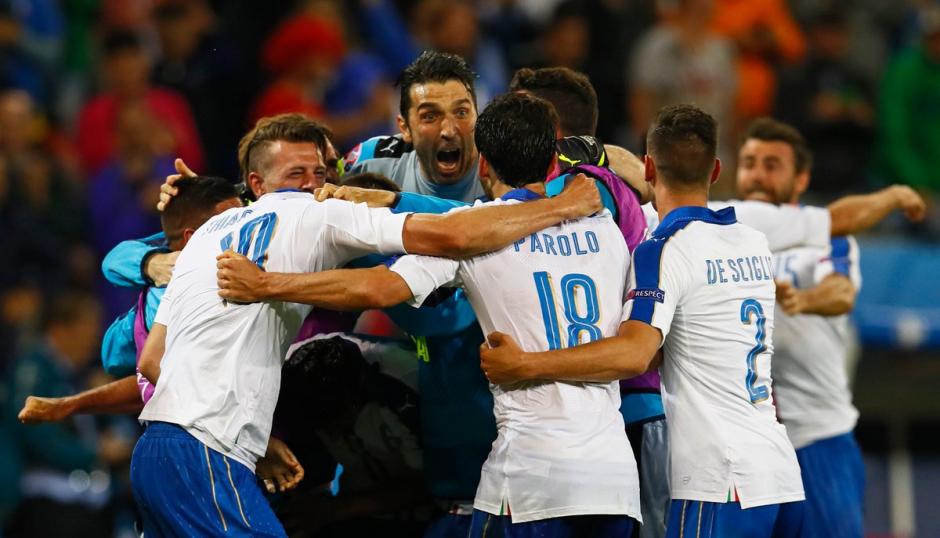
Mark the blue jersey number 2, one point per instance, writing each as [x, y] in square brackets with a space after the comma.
[259, 229]
[577, 322]
[752, 308]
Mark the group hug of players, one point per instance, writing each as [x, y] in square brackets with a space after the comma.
[586, 291]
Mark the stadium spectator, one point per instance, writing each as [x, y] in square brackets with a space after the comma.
[566, 40]
[126, 70]
[65, 492]
[453, 27]
[909, 120]
[196, 59]
[121, 193]
[765, 34]
[681, 61]
[304, 54]
[832, 104]
[42, 212]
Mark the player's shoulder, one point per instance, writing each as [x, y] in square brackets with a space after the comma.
[378, 147]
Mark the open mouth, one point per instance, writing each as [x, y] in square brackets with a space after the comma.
[448, 160]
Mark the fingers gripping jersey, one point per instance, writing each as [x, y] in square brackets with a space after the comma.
[220, 373]
[561, 449]
[810, 371]
[705, 281]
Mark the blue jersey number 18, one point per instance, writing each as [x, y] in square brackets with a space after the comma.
[577, 322]
[749, 308]
[261, 229]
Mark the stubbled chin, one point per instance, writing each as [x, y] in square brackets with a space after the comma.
[759, 197]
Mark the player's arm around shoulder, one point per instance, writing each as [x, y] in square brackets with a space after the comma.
[467, 233]
[838, 281]
[241, 280]
[630, 353]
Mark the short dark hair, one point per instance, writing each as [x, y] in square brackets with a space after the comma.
[371, 180]
[194, 203]
[433, 66]
[320, 378]
[516, 135]
[683, 142]
[292, 127]
[771, 130]
[570, 92]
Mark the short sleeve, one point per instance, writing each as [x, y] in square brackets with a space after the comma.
[359, 228]
[424, 274]
[786, 226]
[659, 280]
[163, 311]
[843, 259]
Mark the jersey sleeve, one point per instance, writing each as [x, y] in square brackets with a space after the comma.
[785, 226]
[424, 274]
[163, 311]
[659, 279]
[411, 202]
[124, 265]
[368, 156]
[118, 349]
[843, 259]
[356, 228]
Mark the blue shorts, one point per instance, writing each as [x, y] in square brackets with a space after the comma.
[698, 519]
[486, 525]
[834, 480]
[449, 526]
[183, 488]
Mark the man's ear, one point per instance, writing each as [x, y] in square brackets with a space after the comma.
[256, 184]
[187, 234]
[553, 166]
[801, 183]
[649, 170]
[716, 172]
[403, 128]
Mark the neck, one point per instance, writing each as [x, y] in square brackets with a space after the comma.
[538, 187]
[667, 200]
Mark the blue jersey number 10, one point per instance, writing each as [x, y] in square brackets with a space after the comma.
[752, 308]
[259, 229]
[577, 323]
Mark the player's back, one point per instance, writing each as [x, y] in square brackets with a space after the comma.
[715, 275]
[561, 447]
[810, 374]
[220, 372]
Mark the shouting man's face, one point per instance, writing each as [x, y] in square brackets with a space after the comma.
[440, 126]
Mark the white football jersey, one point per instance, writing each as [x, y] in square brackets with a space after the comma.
[785, 226]
[811, 385]
[705, 281]
[220, 374]
[561, 449]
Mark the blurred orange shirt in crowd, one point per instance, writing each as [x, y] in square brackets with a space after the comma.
[764, 31]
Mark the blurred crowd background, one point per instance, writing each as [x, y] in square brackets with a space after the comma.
[97, 97]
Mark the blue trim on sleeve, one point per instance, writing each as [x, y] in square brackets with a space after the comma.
[841, 262]
[647, 259]
[646, 264]
[411, 202]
